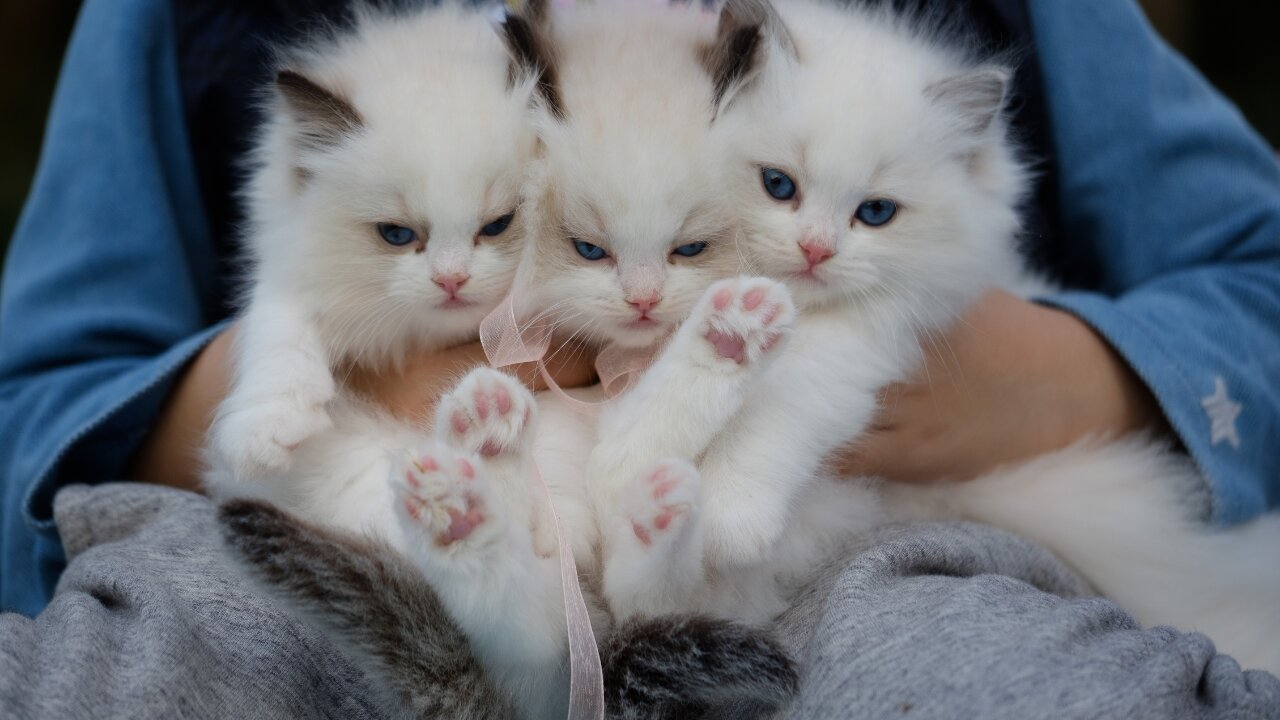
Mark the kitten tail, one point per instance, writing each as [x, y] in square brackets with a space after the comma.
[681, 667]
[374, 604]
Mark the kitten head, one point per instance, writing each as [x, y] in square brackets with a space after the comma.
[389, 192]
[632, 220]
[872, 167]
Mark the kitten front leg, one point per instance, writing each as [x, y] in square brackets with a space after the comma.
[282, 385]
[504, 596]
[812, 401]
[698, 383]
[655, 540]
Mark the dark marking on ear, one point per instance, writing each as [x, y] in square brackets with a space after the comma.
[323, 118]
[731, 59]
[537, 11]
[977, 97]
[745, 30]
[528, 39]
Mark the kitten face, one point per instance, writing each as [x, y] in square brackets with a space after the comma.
[416, 239]
[405, 227]
[633, 224]
[873, 168]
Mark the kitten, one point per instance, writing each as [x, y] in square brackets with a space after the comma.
[886, 190]
[386, 219]
[627, 229]
[630, 230]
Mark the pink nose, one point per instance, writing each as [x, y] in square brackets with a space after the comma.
[646, 303]
[816, 252]
[452, 282]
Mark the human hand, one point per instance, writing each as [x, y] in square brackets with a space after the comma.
[412, 392]
[1010, 381]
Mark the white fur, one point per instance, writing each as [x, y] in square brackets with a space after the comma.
[629, 168]
[871, 108]
[444, 149]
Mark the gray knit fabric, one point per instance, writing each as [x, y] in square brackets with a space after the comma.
[965, 621]
[151, 621]
[940, 621]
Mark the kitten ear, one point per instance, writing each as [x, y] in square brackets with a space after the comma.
[747, 31]
[527, 34]
[324, 119]
[977, 97]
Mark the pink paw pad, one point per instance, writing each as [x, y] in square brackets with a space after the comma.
[444, 496]
[482, 405]
[722, 298]
[486, 414]
[460, 422]
[730, 347]
[746, 318]
[461, 524]
[667, 498]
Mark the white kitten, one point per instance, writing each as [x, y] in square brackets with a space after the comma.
[630, 227]
[886, 191]
[385, 219]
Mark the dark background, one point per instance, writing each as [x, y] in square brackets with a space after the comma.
[1236, 43]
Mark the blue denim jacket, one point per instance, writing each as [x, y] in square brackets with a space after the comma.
[111, 284]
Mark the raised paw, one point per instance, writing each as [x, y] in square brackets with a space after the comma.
[256, 438]
[444, 496]
[745, 318]
[659, 503]
[488, 413]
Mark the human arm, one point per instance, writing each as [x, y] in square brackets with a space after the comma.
[110, 284]
[1012, 380]
[1173, 203]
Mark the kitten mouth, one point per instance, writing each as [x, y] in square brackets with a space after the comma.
[454, 303]
[644, 322]
[809, 275]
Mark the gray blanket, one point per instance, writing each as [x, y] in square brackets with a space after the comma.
[932, 621]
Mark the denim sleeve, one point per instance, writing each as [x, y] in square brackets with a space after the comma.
[108, 285]
[1178, 199]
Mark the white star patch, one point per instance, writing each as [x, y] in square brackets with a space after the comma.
[1222, 412]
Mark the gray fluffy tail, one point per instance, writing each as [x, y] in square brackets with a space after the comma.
[686, 666]
[372, 603]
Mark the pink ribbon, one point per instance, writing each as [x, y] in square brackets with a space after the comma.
[586, 678]
[505, 344]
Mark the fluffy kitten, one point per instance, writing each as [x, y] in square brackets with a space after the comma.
[386, 218]
[886, 188]
[631, 229]
[628, 229]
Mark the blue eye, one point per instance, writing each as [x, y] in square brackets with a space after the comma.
[497, 227]
[778, 184]
[589, 251]
[875, 213]
[396, 234]
[691, 249]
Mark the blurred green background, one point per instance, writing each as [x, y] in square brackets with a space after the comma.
[1236, 43]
